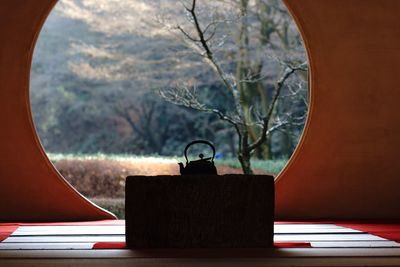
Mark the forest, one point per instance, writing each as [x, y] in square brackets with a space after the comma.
[147, 77]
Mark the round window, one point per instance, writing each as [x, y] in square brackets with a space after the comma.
[120, 87]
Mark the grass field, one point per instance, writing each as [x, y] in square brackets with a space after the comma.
[101, 177]
[269, 166]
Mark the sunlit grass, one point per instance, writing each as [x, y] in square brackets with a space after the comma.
[54, 157]
[270, 166]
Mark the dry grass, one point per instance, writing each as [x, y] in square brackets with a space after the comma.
[106, 178]
[103, 180]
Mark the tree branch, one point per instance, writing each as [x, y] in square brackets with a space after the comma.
[289, 70]
[184, 97]
[210, 56]
[187, 35]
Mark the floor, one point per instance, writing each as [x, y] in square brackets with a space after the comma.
[101, 243]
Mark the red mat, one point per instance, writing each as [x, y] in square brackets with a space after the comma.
[387, 230]
[122, 245]
[6, 231]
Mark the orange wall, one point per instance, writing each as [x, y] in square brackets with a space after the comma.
[30, 187]
[347, 164]
[345, 167]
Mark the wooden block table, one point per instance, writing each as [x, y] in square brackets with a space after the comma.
[199, 211]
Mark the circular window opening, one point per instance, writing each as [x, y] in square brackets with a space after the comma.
[120, 87]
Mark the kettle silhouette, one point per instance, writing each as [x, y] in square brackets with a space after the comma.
[200, 166]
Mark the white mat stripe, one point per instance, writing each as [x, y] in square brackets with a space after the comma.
[358, 244]
[295, 226]
[326, 237]
[64, 239]
[45, 246]
[309, 226]
[314, 231]
[69, 230]
[119, 230]
[121, 238]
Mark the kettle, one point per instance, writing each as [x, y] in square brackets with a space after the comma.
[200, 166]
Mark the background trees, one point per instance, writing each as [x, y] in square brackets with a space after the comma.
[253, 112]
[99, 65]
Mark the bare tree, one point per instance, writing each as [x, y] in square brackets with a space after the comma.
[247, 50]
[148, 120]
[253, 122]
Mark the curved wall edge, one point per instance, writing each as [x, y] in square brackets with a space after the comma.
[345, 166]
[31, 189]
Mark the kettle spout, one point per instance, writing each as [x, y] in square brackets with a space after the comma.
[181, 167]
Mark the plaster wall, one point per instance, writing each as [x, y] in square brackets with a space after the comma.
[30, 188]
[345, 167]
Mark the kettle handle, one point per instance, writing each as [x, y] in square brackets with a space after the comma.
[199, 142]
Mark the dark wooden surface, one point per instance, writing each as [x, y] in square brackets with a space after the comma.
[202, 211]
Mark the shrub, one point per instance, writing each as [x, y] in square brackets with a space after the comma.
[102, 179]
